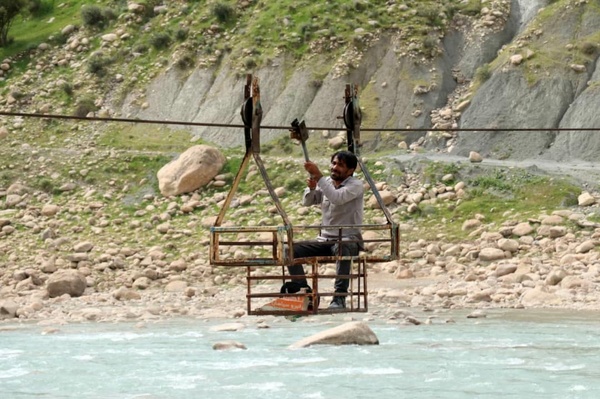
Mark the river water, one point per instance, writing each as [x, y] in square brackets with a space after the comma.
[508, 354]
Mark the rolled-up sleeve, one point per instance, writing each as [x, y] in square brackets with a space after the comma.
[312, 197]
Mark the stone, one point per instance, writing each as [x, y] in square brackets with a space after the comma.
[586, 199]
[386, 196]
[109, 37]
[8, 309]
[475, 157]
[477, 314]
[553, 220]
[516, 59]
[507, 244]
[67, 30]
[49, 210]
[555, 277]
[336, 143]
[228, 327]
[228, 345]
[538, 297]
[471, 224]
[352, 333]
[557, 231]
[503, 270]
[12, 200]
[176, 286]
[193, 169]
[522, 229]
[69, 282]
[585, 247]
[126, 294]
[82, 247]
[491, 254]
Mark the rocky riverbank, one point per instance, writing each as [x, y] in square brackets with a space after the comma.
[82, 257]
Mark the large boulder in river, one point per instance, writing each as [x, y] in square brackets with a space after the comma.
[191, 170]
[66, 282]
[353, 333]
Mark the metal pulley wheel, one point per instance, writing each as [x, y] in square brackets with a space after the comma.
[349, 115]
[247, 112]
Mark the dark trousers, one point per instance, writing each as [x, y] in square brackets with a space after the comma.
[307, 249]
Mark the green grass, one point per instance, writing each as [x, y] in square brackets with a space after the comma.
[494, 194]
[30, 31]
[145, 137]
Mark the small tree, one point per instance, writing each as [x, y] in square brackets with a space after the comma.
[9, 9]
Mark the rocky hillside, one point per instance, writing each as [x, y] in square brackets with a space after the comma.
[420, 64]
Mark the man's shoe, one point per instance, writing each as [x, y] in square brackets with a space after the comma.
[338, 302]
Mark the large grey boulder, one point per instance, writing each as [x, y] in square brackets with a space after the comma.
[353, 333]
[66, 282]
[191, 170]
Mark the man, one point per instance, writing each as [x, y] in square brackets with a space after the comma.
[341, 199]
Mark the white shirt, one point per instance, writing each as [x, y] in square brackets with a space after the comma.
[342, 205]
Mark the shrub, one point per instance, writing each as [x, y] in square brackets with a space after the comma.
[109, 14]
[483, 73]
[84, 106]
[93, 16]
[472, 7]
[430, 43]
[223, 12]
[45, 185]
[359, 6]
[181, 34]
[160, 40]
[431, 15]
[96, 65]
[58, 39]
[149, 7]
[250, 63]
[294, 184]
[140, 48]
[185, 61]
[67, 88]
[39, 8]
[588, 48]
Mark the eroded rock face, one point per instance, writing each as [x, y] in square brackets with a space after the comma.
[353, 333]
[191, 170]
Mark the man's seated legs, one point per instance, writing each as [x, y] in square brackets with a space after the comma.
[343, 269]
[307, 249]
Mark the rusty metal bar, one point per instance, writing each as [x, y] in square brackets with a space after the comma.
[256, 116]
[274, 197]
[248, 290]
[232, 190]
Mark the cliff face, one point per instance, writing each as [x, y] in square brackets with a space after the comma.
[523, 64]
[545, 78]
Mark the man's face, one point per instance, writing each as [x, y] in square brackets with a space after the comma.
[339, 170]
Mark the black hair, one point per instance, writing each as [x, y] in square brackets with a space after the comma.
[348, 158]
